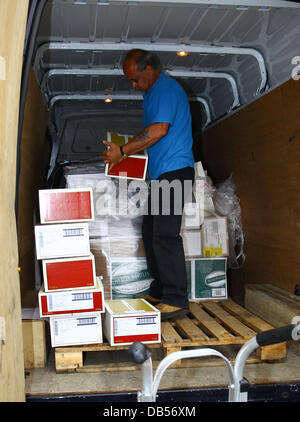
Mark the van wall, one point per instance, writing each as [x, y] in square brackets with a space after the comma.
[260, 145]
[12, 32]
[34, 159]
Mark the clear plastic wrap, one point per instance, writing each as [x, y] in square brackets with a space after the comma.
[119, 204]
[227, 204]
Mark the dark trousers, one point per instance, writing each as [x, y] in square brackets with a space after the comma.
[163, 243]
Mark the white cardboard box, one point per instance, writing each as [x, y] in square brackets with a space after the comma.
[130, 320]
[215, 241]
[193, 215]
[62, 240]
[66, 205]
[192, 242]
[72, 301]
[69, 273]
[70, 330]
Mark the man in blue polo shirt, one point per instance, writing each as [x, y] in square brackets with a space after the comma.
[167, 136]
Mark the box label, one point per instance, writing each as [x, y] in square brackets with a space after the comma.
[210, 278]
[61, 301]
[79, 330]
[129, 277]
[215, 237]
[131, 328]
[211, 252]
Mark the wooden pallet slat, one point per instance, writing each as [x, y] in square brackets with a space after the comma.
[190, 329]
[168, 334]
[210, 324]
[248, 318]
[229, 321]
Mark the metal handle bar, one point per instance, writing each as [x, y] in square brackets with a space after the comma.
[168, 360]
[141, 354]
[265, 338]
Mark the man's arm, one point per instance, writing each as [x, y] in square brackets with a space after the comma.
[148, 137]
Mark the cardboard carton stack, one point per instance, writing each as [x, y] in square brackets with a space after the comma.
[206, 244]
[71, 296]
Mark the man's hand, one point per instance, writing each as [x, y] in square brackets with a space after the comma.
[113, 155]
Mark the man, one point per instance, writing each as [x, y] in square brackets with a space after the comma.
[167, 136]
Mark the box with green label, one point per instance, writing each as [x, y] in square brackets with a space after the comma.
[129, 277]
[207, 278]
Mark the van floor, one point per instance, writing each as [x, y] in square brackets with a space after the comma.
[269, 381]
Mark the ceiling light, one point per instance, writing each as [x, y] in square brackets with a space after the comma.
[108, 100]
[182, 53]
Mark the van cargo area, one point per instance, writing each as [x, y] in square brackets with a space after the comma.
[63, 92]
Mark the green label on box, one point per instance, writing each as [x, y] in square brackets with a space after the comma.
[207, 277]
[129, 277]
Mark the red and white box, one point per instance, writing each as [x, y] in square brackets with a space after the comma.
[69, 273]
[66, 205]
[62, 240]
[71, 330]
[71, 302]
[130, 320]
[133, 167]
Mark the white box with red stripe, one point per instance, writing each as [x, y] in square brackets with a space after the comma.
[130, 320]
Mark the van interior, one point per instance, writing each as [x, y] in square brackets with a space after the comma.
[238, 63]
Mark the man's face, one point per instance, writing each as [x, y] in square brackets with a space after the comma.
[140, 81]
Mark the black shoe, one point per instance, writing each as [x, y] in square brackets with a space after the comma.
[148, 298]
[169, 311]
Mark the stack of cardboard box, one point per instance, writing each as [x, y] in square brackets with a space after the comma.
[206, 242]
[71, 295]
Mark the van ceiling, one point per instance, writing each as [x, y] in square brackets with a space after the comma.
[236, 53]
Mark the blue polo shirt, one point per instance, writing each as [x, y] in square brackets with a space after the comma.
[166, 102]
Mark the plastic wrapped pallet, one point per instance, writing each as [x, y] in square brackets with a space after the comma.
[118, 204]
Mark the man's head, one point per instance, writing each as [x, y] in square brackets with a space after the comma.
[142, 68]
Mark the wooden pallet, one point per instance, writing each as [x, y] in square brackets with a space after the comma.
[210, 323]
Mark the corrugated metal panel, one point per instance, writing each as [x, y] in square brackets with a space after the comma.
[252, 42]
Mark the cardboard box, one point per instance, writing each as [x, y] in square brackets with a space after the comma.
[130, 320]
[66, 205]
[70, 330]
[129, 277]
[133, 167]
[192, 243]
[207, 278]
[193, 216]
[69, 273]
[215, 241]
[62, 240]
[72, 302]
[34, 343]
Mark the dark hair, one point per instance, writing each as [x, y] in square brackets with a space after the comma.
[143, 59]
